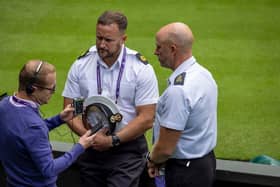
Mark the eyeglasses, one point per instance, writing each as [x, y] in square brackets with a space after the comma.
[50, 89]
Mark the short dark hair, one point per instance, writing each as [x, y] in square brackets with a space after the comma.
[109, 17]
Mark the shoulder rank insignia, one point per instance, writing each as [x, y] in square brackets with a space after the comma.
[84, 54]
[180, 79]
[142, 58]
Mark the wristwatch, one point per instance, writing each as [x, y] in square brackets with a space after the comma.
[115, 140]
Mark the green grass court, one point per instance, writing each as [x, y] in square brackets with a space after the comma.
[238, 41]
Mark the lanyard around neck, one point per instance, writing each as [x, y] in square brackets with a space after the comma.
[99, 85]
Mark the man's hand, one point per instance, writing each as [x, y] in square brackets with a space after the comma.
[87, 139]
[153, 169]
[101, 141]
[67, 113]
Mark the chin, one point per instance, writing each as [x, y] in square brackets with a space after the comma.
[102, 53]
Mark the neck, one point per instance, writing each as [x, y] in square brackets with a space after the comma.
[23, 95]
[31, 97]
[110, 61]
[180, 59]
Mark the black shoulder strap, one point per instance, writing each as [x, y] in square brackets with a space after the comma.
[83, 55]
[3, 95]
[180, 79]
[142, 58]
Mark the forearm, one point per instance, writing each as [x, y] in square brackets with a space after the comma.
[134, 129]
[140, 124]
[64, 161]
[52, 167]
[76, 125]
[165, 145]
[53, 122]
[159, 154]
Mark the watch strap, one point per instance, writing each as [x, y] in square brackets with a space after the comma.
[115, 140]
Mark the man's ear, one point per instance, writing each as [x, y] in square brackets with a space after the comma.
[173, 48]
[124, 37]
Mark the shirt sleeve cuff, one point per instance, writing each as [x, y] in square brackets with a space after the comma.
[58, 119]
[78, 148]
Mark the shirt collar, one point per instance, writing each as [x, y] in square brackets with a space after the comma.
[182, 68]
[19, 102]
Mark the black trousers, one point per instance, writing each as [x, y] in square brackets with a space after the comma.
[118, 167]
[191, 173]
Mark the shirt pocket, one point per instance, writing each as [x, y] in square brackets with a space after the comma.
[127, 91]
[88, 88]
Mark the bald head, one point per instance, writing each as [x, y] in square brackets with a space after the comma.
[34, 71]
[177, 33]
[174, 44]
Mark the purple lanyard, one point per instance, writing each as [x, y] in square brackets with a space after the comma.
[99, 86]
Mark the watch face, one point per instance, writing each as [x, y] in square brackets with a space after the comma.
[116, 140]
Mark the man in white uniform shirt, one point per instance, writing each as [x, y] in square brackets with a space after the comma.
[185, 129]
[112, 70]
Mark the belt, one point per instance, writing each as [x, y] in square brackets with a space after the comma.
[186, 162]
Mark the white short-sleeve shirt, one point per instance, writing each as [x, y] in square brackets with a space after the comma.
[189, 105]
[138, 85]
